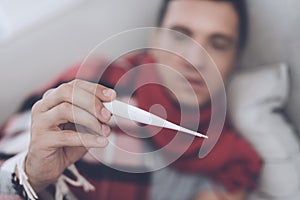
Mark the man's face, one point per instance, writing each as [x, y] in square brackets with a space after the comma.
[213, 25]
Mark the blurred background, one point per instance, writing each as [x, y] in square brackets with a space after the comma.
[40, 38]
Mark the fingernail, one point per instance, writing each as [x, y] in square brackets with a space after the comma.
[109, 93]
[101, 140]
[105, 113]
[105, 130]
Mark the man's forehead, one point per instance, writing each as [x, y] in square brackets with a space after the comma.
[214, 15]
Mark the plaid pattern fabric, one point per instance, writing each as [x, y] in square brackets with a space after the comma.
[233, 163]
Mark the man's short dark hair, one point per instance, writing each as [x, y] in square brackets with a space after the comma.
[240, 7]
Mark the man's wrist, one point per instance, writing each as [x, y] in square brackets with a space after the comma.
[20, 190]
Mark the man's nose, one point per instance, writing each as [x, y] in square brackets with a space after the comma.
[196, 56]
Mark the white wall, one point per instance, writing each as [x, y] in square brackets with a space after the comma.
[38, 54]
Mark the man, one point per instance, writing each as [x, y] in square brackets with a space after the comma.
[220, 28]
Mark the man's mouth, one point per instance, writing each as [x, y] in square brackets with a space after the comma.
[196, 82]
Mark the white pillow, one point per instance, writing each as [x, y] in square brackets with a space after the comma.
[254, 97]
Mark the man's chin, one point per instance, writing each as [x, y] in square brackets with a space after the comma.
[191, 105]
[189, 102]
[189, 99]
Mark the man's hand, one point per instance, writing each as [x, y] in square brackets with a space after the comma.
[62, 123]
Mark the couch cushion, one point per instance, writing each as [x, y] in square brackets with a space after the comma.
[274, 37]
[255, 99]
